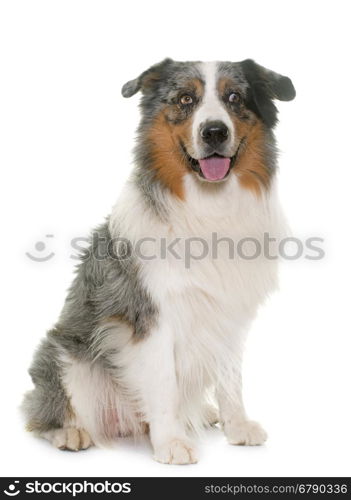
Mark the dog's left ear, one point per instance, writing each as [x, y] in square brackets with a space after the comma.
[266, 85]
[148, 80]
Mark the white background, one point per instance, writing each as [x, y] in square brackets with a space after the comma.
[66, 141]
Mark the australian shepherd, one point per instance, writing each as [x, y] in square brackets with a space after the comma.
[151, 335]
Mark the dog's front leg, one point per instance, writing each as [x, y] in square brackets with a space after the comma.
[160, 395]
[237, 427]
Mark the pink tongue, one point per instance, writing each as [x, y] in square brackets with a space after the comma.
[214, 168]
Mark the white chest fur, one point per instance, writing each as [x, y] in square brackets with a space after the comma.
[210, 255]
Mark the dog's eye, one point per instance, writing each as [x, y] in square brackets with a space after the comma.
[234, 97]
[186, 99]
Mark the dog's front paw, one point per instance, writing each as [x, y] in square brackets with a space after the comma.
[177, 451]
[247, 433]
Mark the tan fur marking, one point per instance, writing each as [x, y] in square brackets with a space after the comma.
[251, 168]
[168, 160]
[198, 86]
[166, 135]
[223, 84]
[33, 425]
[116, 318]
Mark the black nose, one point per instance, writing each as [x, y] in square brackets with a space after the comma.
[214, 133]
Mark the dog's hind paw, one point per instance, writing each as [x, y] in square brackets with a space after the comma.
[69, 438]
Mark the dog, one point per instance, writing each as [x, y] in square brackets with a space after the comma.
[151, 335]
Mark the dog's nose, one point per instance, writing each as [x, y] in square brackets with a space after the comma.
[214, 133]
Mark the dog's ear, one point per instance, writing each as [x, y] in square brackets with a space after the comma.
[266, 85]
[148, 80]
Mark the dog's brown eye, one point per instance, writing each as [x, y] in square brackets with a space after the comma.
[186, 99]
[234, 97]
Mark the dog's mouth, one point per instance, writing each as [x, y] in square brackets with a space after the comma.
[214, 167]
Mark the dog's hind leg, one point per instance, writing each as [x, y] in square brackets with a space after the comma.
[68, 438]
[47, 407]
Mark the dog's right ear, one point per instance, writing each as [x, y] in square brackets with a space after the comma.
[148, 80]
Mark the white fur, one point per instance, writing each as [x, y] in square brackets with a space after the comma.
[99, 403]
[205, 311]
[211, 108]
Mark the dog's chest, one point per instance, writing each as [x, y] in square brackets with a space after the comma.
[194, 268]
[213, 272]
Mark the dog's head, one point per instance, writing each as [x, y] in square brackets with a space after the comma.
[208, 118]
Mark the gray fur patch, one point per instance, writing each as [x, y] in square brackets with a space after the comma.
[105, 286]
[151, 188]
[47, 406]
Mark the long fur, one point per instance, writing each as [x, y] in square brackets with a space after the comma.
[149, 344]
